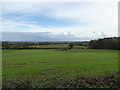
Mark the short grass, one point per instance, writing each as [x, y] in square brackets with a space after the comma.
[57, 63]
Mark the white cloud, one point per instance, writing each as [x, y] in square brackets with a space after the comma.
[101, 17]
[78, 32]
[60, 0]
[39, 36]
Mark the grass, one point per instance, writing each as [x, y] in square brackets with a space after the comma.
[50, 46]
[57, 46]
[57, 63]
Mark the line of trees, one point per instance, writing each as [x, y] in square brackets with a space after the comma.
[33, 45]
[105, 43]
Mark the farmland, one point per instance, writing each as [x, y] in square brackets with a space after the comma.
[58, 63]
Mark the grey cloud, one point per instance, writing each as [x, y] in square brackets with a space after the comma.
[39, 36]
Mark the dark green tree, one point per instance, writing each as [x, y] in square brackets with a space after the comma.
[105, 43]
[71, 45]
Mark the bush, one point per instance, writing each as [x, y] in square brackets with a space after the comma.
[110, 80]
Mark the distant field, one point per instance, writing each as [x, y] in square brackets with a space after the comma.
[56, 46]
[53, 63]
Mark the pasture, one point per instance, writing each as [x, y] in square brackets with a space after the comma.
[59, 46]
[58, 63]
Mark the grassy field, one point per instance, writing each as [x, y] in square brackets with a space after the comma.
[58, 63]
[50, 46]
[57, 46]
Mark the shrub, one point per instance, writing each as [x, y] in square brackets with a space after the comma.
[110, 80]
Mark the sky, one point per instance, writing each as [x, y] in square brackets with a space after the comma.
[58, 21]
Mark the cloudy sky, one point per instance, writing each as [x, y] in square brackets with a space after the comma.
[59, 21]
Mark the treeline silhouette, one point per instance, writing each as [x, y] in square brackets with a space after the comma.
[34, 45]
[105, 43]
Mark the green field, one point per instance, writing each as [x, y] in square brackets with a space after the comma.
[58, 63]
[51, 46]
[57, 46]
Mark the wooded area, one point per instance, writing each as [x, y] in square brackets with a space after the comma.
[105, 43]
